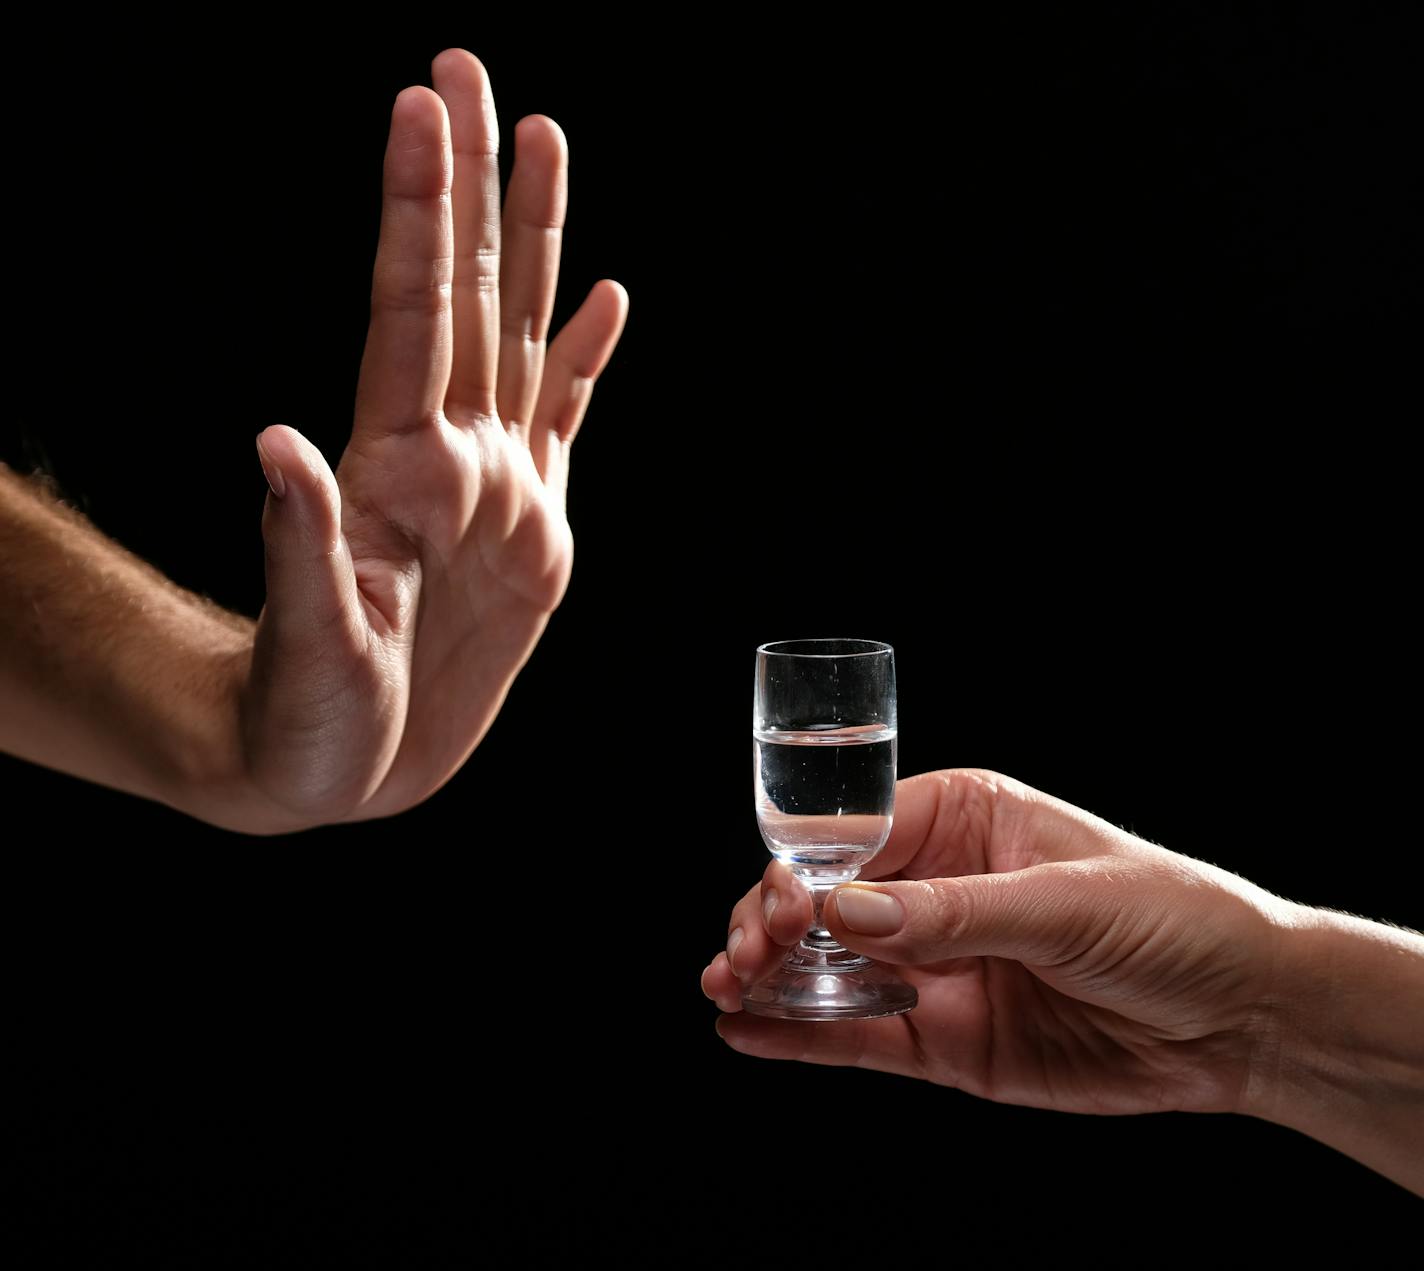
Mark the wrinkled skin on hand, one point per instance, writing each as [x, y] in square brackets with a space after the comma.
[1060, 962]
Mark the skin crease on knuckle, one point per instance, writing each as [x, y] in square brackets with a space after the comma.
[945, 909]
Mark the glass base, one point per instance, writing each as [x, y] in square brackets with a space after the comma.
[813, 984]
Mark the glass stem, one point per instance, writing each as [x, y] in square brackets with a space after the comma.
[817, 938]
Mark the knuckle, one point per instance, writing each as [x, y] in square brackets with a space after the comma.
[478, 270]
[943, 906]
[1106, 914]
[570, 414]
[412, 286]
[412, 298]
[417, 420]
[524, 328]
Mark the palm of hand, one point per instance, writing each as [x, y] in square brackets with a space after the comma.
[406, 590]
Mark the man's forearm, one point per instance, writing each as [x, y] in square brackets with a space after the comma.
[108, 670]
[1341, 1057]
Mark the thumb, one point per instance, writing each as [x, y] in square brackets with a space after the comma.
[310, 580]
[1043, 914]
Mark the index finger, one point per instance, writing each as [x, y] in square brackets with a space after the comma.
[406, 364]
[933, 818]
[958, 821]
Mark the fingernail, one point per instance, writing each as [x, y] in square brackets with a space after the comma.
[732, 942]
[271, 471]
[718, 1026]
[768, 906]
[872, 913]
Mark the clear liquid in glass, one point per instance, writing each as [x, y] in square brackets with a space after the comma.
[825, 796]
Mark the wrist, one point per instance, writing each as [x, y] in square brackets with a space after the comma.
[203, 767]
[1337, 1049]
[111, 672]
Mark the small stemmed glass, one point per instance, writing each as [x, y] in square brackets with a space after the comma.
[823, 752]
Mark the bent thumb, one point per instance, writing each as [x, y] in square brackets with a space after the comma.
[1042, 914]
[310, 579]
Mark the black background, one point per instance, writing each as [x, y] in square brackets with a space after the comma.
[1070, 356]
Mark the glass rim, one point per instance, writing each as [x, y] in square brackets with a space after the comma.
[876, 648]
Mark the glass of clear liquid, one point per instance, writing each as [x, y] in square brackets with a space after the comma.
[823, 758]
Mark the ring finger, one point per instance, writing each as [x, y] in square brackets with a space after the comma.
[529, 272]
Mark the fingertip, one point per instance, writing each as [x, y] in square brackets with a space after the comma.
[413, 98]
[717, 975]
[291, 462]
[721, 986]
[785, 915]
[419, 129]
[615, 295]
[296, 455]
[702, 980]
[455, 59]
[402, 109]
[534, 129]
[834, 923]
[617, 298]
[281, 443]
[298, 474]
[770, 902]
[777, 875]
[271, 469]
[794, 906]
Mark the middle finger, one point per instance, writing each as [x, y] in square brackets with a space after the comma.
[767, 930]
[463, 84]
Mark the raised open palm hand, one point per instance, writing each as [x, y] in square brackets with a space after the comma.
[406, 590]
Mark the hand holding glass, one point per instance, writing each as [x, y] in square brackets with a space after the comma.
[823, 748]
